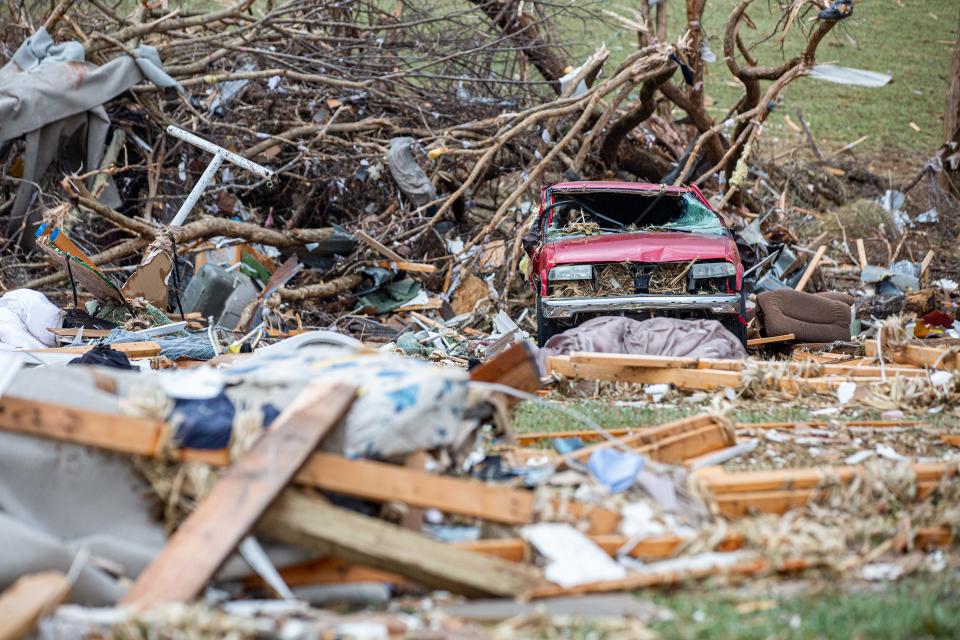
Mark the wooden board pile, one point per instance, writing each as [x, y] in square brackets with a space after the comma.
[274, 489]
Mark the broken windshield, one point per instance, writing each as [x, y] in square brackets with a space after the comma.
[586, 214]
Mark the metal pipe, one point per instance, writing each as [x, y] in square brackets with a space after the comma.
[229, 156]
[197, 190]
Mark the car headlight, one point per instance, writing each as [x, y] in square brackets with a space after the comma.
[712, 270]
[571, 272]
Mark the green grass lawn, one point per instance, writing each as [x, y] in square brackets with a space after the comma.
[924, 606]
[911, 42]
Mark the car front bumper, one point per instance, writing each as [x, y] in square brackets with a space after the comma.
[722, 304]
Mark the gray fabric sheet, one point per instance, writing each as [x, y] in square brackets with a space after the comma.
[52, 96]
[653, 337]
[408, 175]
[57, 498]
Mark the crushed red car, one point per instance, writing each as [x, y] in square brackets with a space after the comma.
[626, 248]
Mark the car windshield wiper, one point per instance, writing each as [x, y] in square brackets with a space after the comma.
[619, 224]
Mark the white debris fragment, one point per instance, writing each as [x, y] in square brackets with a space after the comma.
[845, 391]
[881, 571]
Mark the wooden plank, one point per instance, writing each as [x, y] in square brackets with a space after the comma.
[861, 253]
[916, 355]
[377, 246]
[927, 259]
[737, 505]
[383, 482]
[648, 436]
[658, 362]
[702, 379]
[756, 342]
[412, 267]
[749, 565]
[214, 529]
[312, 523]
[720, 482]
[515, 367]
[328, 569]
[144, 349]
[114, 432]
[814, 263]
[127, 434]
[685, 446]
[28, 599]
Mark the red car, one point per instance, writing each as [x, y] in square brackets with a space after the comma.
[626, 248]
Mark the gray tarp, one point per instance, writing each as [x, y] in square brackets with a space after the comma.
[653, 337]
[52, 96]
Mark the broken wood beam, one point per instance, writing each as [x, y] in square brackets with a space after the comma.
[29, 599]
[383, 482]
[312, 523]
[515, 367]
[143, 349]
[328, 569]
[701, 379]
[210, 534]
[412, 267]
[739, 493]
[110, 431]
[916, 355]
[672, 442]
[814, 263]
[757, 342]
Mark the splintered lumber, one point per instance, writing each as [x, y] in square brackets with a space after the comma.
[916, 355]
[328, 569]
[814, 262]
[756, 342]
[589, 435]
[740, 563]
[412, 267]
[654, 362]
[861, 253]
[377, 246]
[312, 523]
[516, 367]
[702, 379]
[127, 434]
[739, 493]
[114, 432]
[672, 442]
[382, 482]
[215, 528]
[145, 349]
[28, 599]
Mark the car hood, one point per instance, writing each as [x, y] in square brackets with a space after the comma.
[655, 246]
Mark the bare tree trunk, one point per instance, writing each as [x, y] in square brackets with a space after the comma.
[522, 28]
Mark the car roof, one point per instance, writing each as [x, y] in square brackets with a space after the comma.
[618, 185]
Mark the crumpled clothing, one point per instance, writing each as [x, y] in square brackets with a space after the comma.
[653, 337]
[104, 355]
[25, 319]
[194, 346]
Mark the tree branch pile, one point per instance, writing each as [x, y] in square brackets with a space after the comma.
[317, 90]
